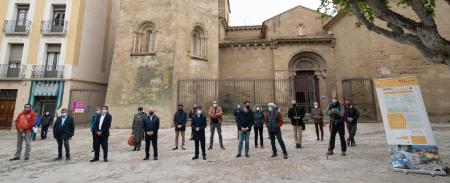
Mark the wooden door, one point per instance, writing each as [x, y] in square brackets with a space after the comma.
[6, 113]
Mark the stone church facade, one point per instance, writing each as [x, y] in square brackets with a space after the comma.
[163, 45]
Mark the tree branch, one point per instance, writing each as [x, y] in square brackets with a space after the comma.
[382, 11]
[426, 17]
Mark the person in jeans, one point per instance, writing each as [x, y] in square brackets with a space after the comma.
[317, 119]
[63, 131]
[24, 124]
[215, 120]
[179, 121]
[258, 126]
[199, 124]
[351, 120]
[245, 123]
[274, 121]
[336, 113]
[296, 114]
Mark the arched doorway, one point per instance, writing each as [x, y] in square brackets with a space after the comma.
[307, 72]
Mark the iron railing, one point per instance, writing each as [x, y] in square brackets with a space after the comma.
[229, 92]
[361, 92]
[12, 71]
[52, 26]
[47, 71]
[11, 26]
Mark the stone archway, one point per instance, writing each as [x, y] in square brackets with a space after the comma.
[307, 71]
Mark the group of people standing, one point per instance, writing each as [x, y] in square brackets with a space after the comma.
[145, 126]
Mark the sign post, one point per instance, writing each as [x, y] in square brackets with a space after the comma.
[412, 146]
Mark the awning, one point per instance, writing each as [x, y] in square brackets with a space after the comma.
[45, 88]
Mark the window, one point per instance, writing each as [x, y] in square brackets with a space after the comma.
[21, 19]
[15, 58]
[199, 43]
[58, 19]
[301, 29]
[144, 40]
[53, 52]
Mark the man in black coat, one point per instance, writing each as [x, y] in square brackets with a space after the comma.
[179, 121]
[296, 114]
[151, 127]
[245, 122]
[101, 128]
[198, 125]
[63, 131]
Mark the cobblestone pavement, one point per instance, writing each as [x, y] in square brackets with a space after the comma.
[367, 162]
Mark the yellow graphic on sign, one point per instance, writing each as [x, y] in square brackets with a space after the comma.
[419, 140]
[404, 81]
[396, 121]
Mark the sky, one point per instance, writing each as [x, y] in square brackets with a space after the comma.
[254, 12]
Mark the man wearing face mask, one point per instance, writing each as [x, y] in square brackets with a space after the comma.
[179, 121]
[336, 113]
[317, 119]
[246, 119]
[46, 121]
[97, 113]
[63, 131]
[258, 126]
[215, 120]
[102, 126]
[151, 127]
[199, 124]
[273, 122]
[296, 114]
[351, 119]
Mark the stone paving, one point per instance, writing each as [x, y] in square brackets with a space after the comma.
[367, 162]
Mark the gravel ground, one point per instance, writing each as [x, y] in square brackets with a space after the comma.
[367, 162]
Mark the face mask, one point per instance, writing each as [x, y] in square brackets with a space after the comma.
[63, 114]
[334, 100]
[238, 106]
[316, 106]
[104, 111]
[98, 112]
[47, 113]
[258, 109]
[215, 105]
[199, 112]
[151, 113]
[270, 108]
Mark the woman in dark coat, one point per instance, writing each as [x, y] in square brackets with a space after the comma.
[258, 126]
[138, 128]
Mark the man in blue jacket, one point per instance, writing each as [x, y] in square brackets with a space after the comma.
[63, 131]
[151, 127]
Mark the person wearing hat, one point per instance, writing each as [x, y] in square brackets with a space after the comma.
[351, 119]
[273, 122]
[138, 128]
[336, 113]
[179, 121]
[199, 124]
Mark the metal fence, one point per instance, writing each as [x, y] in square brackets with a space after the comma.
[229, 92]
[47, 71]
[91, 99]
[12, 71]
[360, 92]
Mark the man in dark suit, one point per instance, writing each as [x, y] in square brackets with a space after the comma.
[198, 126]
[151, 127]
[63, 131]
[101, 128]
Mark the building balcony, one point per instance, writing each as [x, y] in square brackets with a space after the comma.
[12, 71]
[16, 28]
[52, 27]
[47, 71]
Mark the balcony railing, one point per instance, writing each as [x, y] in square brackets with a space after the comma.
[54, 27]
[47, 71]
[11, 27]
[11, 71]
